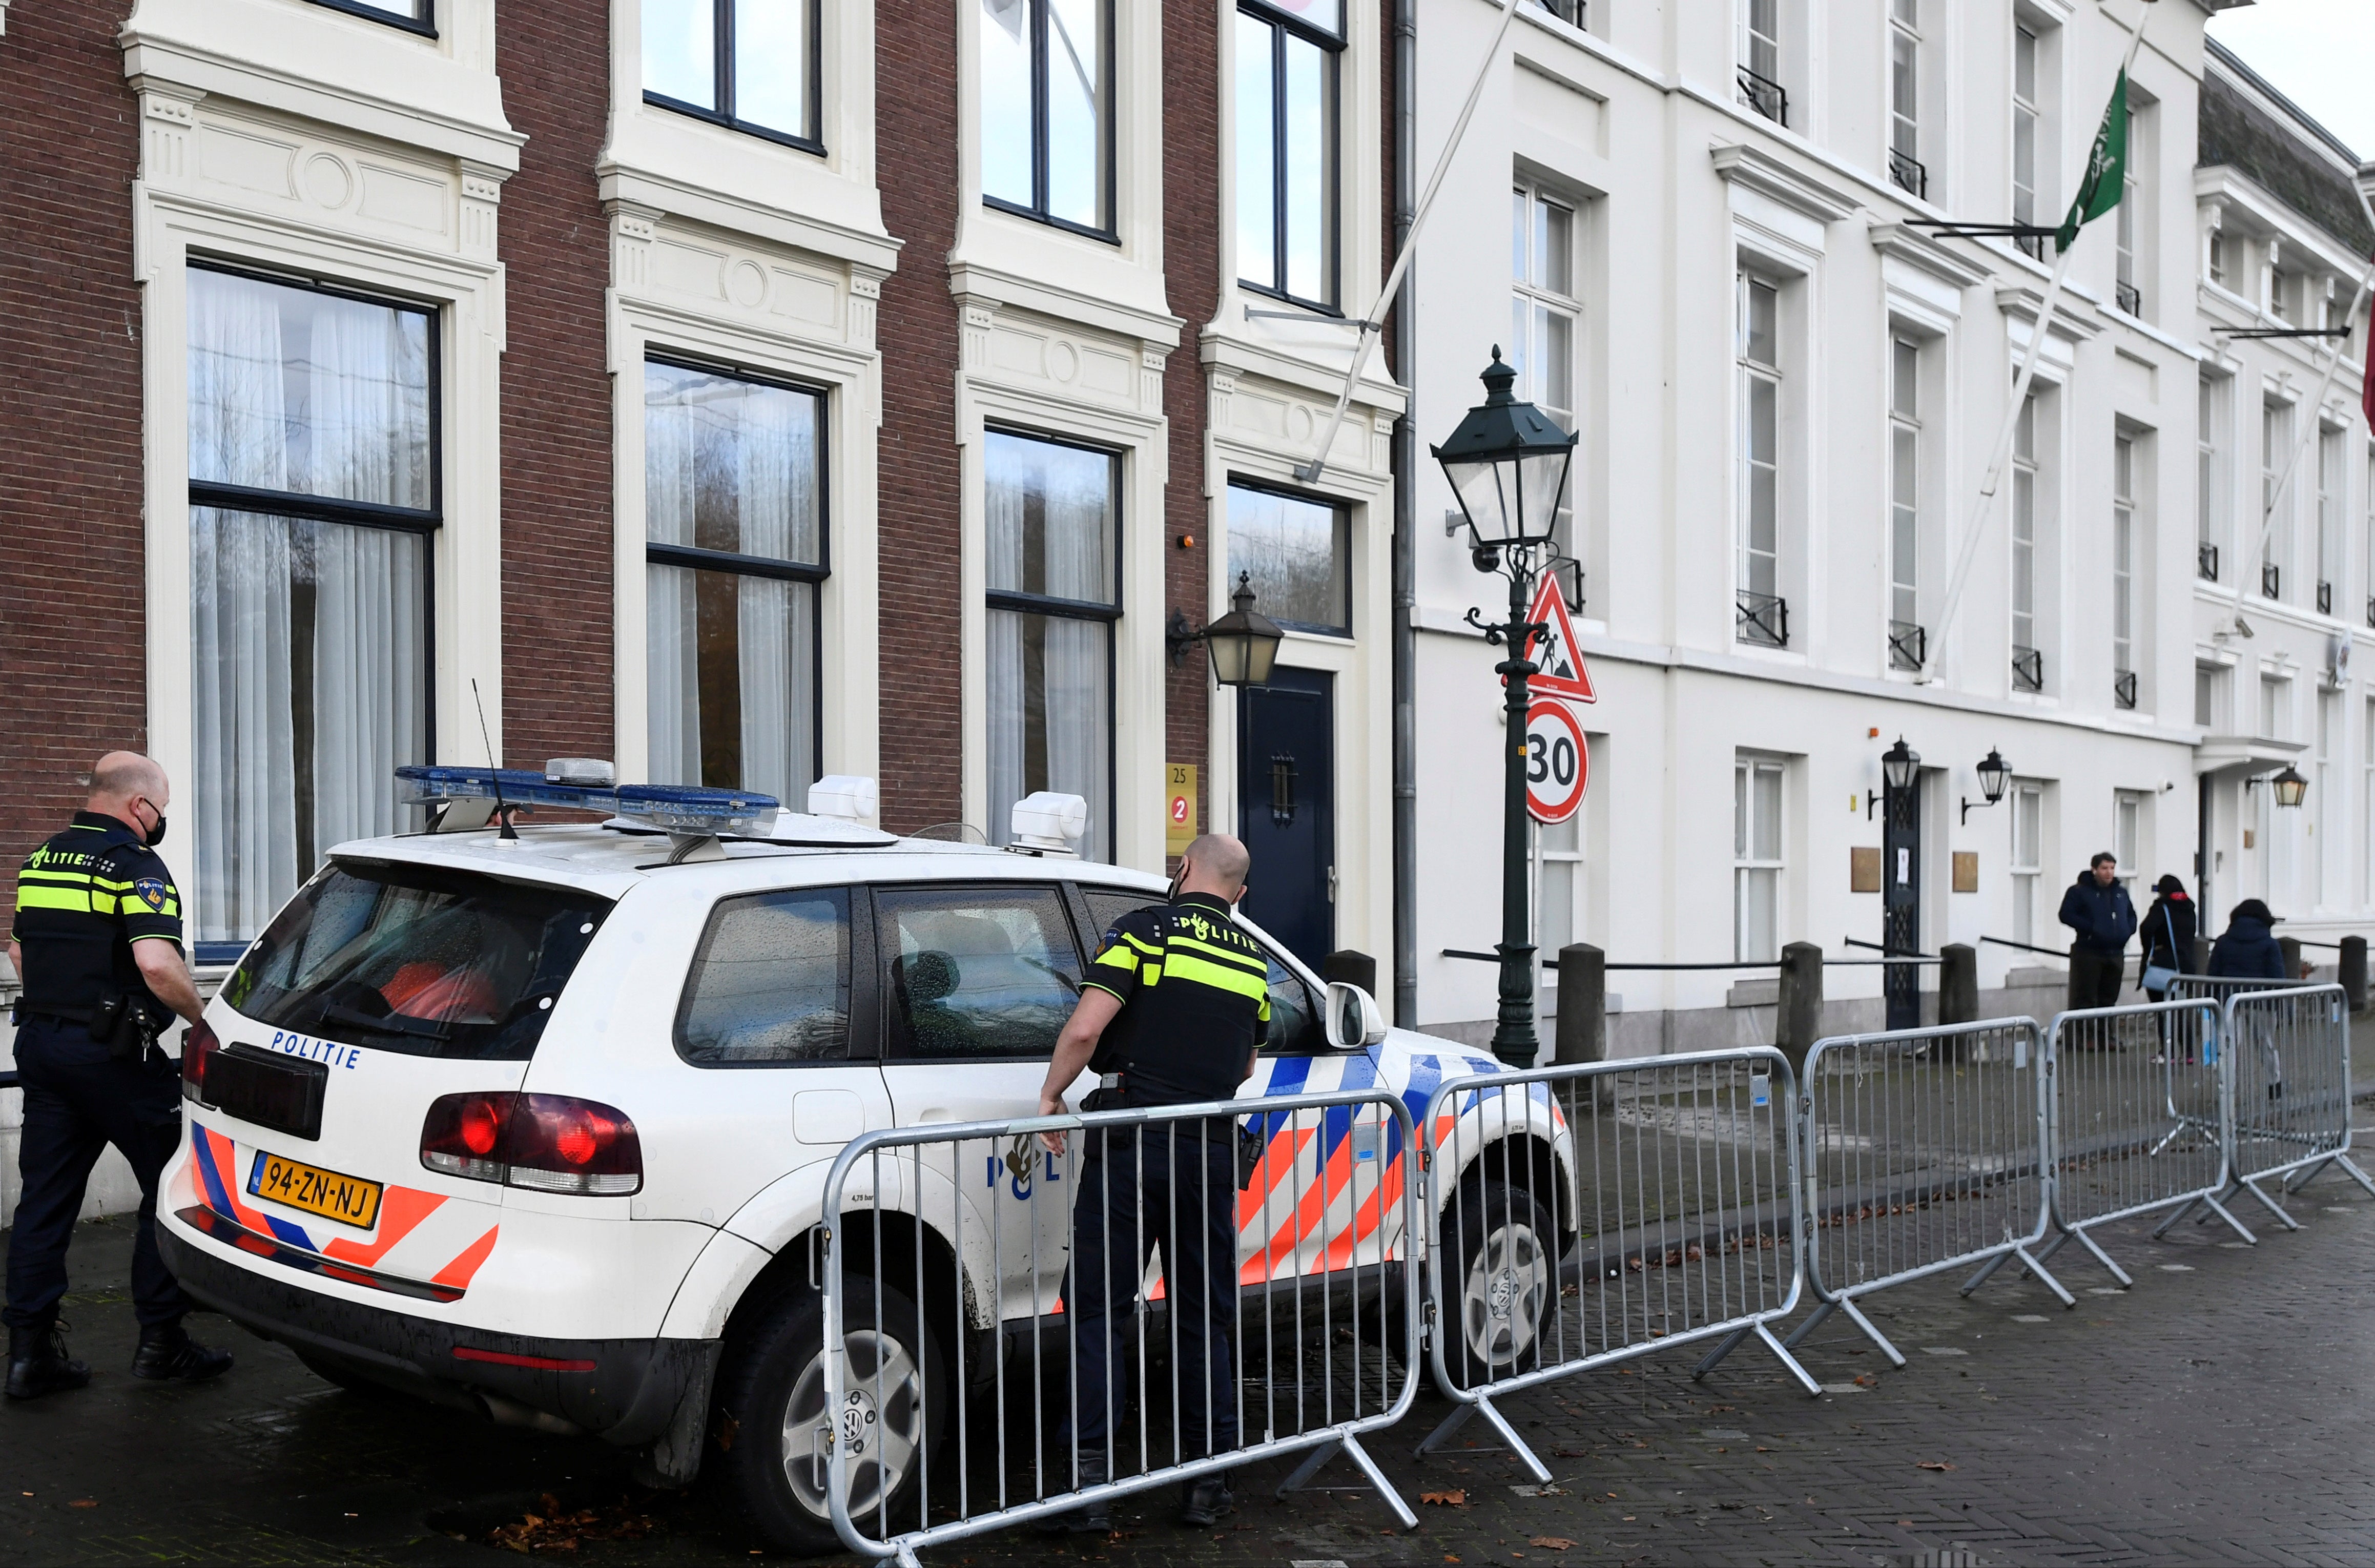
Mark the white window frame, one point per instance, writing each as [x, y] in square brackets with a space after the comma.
[1751, 375]
[2210, 473]
[1757, 51]
[1904, 502]
[2130, 831]
[2276, 514]
[2028, 192]
[2321, 806]
[2027, 504]
[1757, 878]
[1541, 304]
[2330, 552]
[2025, 859]
[1904, 84]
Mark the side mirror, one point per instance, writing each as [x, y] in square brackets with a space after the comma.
[1353, 1018]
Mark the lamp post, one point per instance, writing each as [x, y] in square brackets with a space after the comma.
[1243, 643]
[1508, 464]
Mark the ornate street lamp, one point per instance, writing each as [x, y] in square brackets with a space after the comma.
[1994, 774]
[1508, 464]
[1243, 643]
[1899, 764]
[2289, 786]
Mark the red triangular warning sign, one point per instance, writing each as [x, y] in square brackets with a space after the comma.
[1562, 673]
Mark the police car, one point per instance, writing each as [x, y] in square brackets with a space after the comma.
[535, 1123]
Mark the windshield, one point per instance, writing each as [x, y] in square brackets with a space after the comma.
[415, 959]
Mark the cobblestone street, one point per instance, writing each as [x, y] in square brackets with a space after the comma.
[2212, 1414]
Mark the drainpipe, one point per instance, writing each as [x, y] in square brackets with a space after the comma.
[1405, 469]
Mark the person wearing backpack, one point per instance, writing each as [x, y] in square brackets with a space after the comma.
[2168, 929]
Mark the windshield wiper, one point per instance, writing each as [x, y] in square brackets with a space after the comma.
[391, 1023]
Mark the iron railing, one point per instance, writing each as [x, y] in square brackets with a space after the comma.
[1908, 645]
[2123, 688]
[1908, 174]
[1764, 95]
[2272, 580]
[2130, 299]
[2027, 668]
[2325, 598]
[2205, 561]
[1761, 618]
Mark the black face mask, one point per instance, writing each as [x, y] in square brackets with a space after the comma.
[156, 834]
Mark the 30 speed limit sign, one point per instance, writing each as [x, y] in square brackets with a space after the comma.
[1557, 765]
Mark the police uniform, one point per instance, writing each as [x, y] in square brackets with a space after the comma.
[1195, 1003]
[85, 1052]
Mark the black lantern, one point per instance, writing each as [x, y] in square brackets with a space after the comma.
[2289, 786]
[1994, 774]
[1899, 764]
[1507, 462]
[1244, 643]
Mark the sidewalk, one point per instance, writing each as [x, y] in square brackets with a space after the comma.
[2207, 1416]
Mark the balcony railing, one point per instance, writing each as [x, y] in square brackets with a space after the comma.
[2030, 245]
[2027, 668]
[1764, 95]
[1763, 619]
[2325, 598]
[1908, 645]
[2271, 581]
[2205, 561]
[2123, 688]
[1568, 11]
[2130, 299]
[1906, 173]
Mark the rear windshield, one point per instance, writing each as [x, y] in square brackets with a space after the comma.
[419, 959]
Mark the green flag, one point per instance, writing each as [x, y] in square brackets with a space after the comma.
[2106, 180]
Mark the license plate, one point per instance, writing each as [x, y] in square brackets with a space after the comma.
[349, 1200]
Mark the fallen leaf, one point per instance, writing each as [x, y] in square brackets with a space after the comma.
[81, 1503]
[1932, 1464]
[1867, 1381]
[1551, 1543]
[1761, 1449]
[1445, 1500]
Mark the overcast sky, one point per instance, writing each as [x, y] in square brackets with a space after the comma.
[2319, 53]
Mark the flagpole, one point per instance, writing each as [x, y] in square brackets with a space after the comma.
[2021, 384]
[2309, 427]
[1369, 325]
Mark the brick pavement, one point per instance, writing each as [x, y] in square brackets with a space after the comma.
[2211, 1415]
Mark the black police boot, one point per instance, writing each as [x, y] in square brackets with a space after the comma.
[1089, 1518]
[167, 1353]
[38, 1362]
[1206, 1500]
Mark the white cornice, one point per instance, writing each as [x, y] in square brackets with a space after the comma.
[645, 190]
[973, 279]
[2237, 192]
[1761, 171]
[2075, 317]
[1916, 249]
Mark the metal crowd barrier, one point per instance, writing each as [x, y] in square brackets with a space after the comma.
[1924, 1152]
[2289, 1061]
[2219, 987]
[951, 1404]
[2136, 1118]
[1675, 1176]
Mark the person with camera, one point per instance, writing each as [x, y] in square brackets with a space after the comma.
[97, 942]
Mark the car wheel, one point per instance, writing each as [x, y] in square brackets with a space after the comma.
[777, 1431]
[1502, 1267]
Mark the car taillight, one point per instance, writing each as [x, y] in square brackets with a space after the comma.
[547, 1142]
[198, 1048]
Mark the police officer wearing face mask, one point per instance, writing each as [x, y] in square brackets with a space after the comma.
[97, 944]
[1174, 1009]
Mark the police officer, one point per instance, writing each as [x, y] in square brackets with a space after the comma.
[98, 943]
[1174, 1010]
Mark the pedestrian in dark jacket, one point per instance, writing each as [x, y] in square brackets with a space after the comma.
[2100, 913]
[2250, 949]
[2168, 930]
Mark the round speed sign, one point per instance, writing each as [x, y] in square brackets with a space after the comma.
[1557, 765]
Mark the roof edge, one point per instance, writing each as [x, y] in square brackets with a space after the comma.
[2260, 84]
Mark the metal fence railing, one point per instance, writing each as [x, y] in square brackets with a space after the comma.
[999, 1346]
[2134, 1113]
[1675, 1176]
[1924, 1152]
[2290, 1062]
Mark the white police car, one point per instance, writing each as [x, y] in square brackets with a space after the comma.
[537, 1124]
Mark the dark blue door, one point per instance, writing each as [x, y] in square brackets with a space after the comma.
[1286, 808]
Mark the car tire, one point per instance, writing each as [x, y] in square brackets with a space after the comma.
[1502, 1284]
[771, 1411]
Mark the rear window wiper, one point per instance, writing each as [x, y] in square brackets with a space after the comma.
[391, 1023]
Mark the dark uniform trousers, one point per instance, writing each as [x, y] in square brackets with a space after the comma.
[77, 1100]
[1142, 1187]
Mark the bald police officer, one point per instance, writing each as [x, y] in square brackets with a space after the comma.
[97, 944]
[1175, 1008]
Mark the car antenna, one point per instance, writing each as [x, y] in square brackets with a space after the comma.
[494, 768]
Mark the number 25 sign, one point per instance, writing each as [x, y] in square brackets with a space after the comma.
[1557, 764]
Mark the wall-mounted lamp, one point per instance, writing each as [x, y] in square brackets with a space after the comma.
[1899, 766]
[1994, 774]
[1244, 643]
[2288, 785]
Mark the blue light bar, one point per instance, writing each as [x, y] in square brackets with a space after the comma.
[675, 809]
